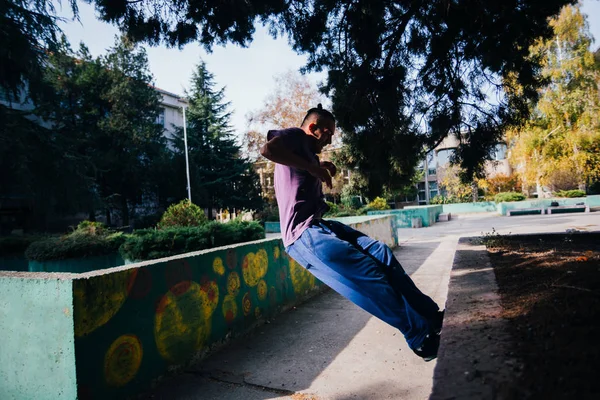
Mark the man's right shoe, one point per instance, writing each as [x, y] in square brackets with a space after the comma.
[438, 322]
[429, 348]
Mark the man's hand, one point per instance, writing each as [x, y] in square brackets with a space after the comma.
[319, 171]
[330, 167]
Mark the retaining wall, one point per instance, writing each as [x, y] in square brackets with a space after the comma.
[112, 333]
[503, 208]
[427, 214]
[468, 208]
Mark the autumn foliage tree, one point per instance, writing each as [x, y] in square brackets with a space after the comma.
[559, 146]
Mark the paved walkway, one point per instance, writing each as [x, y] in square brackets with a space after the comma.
[330, 349]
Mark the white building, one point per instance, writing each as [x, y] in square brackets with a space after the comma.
[171, 111]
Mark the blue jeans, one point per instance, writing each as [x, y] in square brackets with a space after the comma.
[365, 271]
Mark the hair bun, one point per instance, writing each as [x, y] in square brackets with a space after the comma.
[320, 106]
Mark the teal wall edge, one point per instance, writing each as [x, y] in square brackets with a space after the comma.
[427, 214]
[111, 334]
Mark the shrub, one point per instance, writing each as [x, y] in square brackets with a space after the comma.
[508, 197]
[570, 193]
[333, 208]
[16, 245]
[184, 213]
[85, 241]
[353, 202]
[148, 244]
[378, 204]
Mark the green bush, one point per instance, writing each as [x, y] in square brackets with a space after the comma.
[508, 197]
[184, 213]
[16, 245]
[74, 245]
[333, 208]
[570, 193]
[148, 244]
[378, 204]
[353, 202]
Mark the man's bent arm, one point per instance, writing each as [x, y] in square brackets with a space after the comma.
[276, 151]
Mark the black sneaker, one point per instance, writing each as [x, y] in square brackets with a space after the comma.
[429, 348]
[437, 322]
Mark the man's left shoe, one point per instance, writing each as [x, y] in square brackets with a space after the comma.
[429, 347]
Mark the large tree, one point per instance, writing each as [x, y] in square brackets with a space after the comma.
[221, 177]
[402, 74]
[102, 112]
[559, 146]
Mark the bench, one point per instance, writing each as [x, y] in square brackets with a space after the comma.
[583, 207]
[444, 217]
[518, 210]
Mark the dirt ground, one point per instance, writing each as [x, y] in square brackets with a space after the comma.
[550, 292]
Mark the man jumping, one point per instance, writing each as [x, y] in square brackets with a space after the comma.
[361, 269]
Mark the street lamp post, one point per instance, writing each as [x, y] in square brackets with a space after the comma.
[187, 163]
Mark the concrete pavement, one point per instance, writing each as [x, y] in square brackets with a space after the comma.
[330, 349]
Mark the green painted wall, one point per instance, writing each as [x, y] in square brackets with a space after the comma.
[14, 263]
[503, 208]
[77, 265]
[272, 227]
[37, 358]
[593, 201]
[126, 327]
[427, 214]
[134, 325]
[467, 208]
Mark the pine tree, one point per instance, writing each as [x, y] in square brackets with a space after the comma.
[220, 176]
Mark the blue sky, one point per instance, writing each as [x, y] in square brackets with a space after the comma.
[246, 73]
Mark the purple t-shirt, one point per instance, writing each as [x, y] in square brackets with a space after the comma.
[299, 194]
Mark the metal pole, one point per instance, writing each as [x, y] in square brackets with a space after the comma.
[187, 163]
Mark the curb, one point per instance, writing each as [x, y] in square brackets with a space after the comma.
[475, 359]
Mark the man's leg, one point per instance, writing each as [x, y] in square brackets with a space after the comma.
[398, 278]
[358, 277]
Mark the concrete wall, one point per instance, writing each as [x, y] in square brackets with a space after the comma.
[128, 326]
[427, 214]
[467, 208]
[14, 263]
[272, 227]
[382, 228]
[503, 208]
[77, 265]
[37, 354]
[593, 201]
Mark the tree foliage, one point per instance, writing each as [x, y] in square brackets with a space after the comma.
[402, 75]
[220, 176]
[559, 146]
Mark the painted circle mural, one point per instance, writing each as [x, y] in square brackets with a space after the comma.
[233, 283]
[98, 299]
[262, 289]
[231, 259]
[247, 304]
[302, 280]
[229, 308]
[182, 323]
[218, 266]
[122, 360]
[255, 266]
[276, 252]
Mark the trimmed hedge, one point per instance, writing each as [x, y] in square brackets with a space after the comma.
[508, 197]
[570, 193]
[149, 244]
[74, 246]
[16, 245]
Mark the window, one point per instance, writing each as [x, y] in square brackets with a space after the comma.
[499, 152]
[433, 189]
[160, 119]
[422, 198]
[443, 156]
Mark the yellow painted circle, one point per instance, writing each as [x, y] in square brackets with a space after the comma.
[247, 304]
[276, 252]
[262, 289]
[97, 299]
[182, 322]
[233, 283]
[255, 266]
[122, 360]
[229, 308]
[302, 280]
[218, 266]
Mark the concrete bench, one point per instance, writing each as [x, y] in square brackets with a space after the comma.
[583, 207]
[444, 217]
[517, 210]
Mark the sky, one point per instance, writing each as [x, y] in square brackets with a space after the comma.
[246, 73]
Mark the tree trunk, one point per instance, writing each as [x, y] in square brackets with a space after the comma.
[124, 211]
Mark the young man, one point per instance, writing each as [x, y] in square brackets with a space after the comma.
[361, 269]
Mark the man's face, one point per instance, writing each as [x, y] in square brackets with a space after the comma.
[323, 132]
